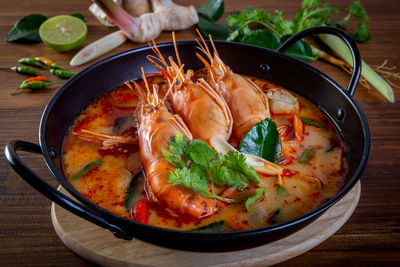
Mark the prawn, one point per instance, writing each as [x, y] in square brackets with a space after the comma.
[156, 125]
[206, 113]
[282, 101]
[245, 99]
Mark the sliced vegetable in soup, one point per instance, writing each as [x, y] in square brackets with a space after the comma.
[102, 161]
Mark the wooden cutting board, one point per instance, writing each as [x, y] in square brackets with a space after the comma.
[101, 247]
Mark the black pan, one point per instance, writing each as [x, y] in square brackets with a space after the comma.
[107, 74]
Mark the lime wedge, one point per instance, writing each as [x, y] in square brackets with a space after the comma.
[63, 33]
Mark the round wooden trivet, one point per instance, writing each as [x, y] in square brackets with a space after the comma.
[101, 247]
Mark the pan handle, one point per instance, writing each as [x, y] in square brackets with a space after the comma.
[51, 193]
[355, 53]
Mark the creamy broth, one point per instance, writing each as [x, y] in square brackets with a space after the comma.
[303, 186]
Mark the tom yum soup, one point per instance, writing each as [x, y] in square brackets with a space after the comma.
[174, 152]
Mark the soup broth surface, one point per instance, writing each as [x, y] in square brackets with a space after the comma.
[302, 188]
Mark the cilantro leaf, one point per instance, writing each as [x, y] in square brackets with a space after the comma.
[356, 10]
[174, 160]
[201, 153]
[362, 33]
[237, 162]
[310, 3]
[220, 175]
[178, 144]
[236, 179]
[189, 179]
[259, 194]
[207, 167]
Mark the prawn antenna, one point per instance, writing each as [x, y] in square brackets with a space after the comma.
[203, 47]
[138, 88]
[213, 45]
[156, 51]
[176, 49]
[147, 85]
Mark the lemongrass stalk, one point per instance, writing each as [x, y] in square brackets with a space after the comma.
[337, 45]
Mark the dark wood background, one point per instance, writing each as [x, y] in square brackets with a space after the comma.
[370, 237]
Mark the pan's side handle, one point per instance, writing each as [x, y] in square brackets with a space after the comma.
[355, 53]
[51, 193]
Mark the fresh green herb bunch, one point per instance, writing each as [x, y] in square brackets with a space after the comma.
[199, 167]
[313, 13]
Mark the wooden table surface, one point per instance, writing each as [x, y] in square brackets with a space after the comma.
[370, 237]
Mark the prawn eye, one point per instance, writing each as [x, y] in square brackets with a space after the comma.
[178, 82]
[148, 106]
[219, 73]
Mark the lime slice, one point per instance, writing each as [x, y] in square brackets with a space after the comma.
[63, 33]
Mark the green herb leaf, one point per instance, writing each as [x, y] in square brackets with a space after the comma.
[307, 155]
[207, 167]
[281, 190]
[310, 3]
[313, 123]
[128, 201]
[178, 144]
[201, 153]
[362, 33]
[263, 38]
[259, 194]
[174, 160]
[237, 162]
[26, 30]
[356, 10]
[87, 168]
[212, 10]
[262, 140]
[189, 179]
[219, 226]
[300, 50]
[218, 31]
[79, 16]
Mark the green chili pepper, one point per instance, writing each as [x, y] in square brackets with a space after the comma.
[48, 62]
[306, 156]
[313, 123]
[62, 73]
[87, 168]
[33, 85]
[24, 70]
[55, 66]
[33, 62]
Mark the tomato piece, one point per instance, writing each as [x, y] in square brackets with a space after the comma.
[140, 211]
